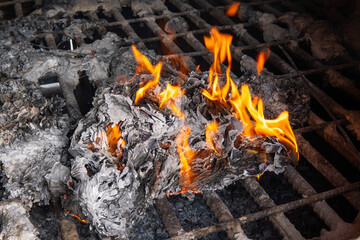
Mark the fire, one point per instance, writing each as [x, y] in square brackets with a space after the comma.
[210, 135]
[219, 44]
[76, 216]
[109, 140]
[169, 95]
[245, 107]
[145, 65]
[278, 128]
[261, 59]
[186, 156]
[232, 10]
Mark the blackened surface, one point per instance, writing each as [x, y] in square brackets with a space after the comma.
[194, 214]
[84, 93]
[149, 226]
[304, 219]
[44, 219]
[341, 206]
[240, 203]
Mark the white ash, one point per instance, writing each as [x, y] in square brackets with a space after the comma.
[15, 223]
[112, 200]
[32, 138]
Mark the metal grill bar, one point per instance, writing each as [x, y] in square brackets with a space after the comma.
[322, 209]
[326, 169]
[331, 135]
[325, 129]
[198, 233]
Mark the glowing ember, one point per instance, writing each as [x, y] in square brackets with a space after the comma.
[75, 216]
[211, 131]
[232, 10]
[110, 141]
[145, 65]
[261, 59]
[186, 156]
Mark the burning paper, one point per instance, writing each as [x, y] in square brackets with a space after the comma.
[151, 137]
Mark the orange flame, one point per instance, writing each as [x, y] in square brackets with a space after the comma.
[75, 216]
[145, 65]
[186, 156]
[278, 128]
[261, 59]
[245, 107]
[210, 135]
[110, 140]
[169, 95]
[232, 10]
[219, 44]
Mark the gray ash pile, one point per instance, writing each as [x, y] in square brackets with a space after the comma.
[33, 136]
[127, 154]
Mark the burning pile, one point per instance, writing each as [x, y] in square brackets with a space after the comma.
[169, 137]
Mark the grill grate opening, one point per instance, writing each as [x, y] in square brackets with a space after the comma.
[192, 214]
[304, 218]
[306, 221]
[92, 36]
[28, 7]
[204, 65]
[105, 15]
[185, 47]
[331, 155]
[84, 93]
[127, 13]
[9, 12]
[240, 203]
[190, 23]
[81, 15]
[340, 205]
[210, 19]
[142, 30]
[171, 7]
[256, 33]
[351, 73]
[117, 30]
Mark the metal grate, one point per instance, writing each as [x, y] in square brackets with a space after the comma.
[332, 131]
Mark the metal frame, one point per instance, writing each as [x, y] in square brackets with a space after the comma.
[327, 130]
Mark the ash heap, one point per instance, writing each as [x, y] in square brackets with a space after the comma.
[156, 133]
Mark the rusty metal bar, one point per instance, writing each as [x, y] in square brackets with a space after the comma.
[126, 26]
[326, 169]
[222, 214]
[336, 79]
[18, 10]
[319, 126]
[280, 221]
[167, 40]
[198, 233]
[320, 100]
[319, 70]
[14, 2]
[332, 136]
[321, 208]
[168, 217]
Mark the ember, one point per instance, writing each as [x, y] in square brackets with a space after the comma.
[142, 125]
